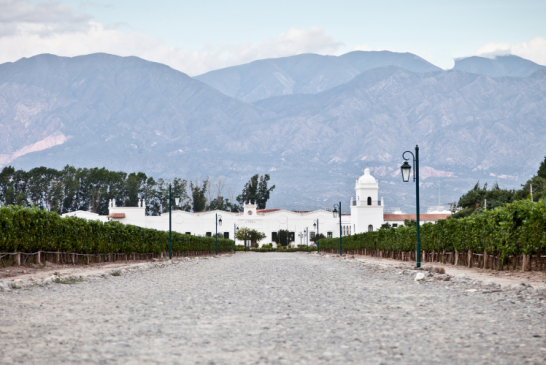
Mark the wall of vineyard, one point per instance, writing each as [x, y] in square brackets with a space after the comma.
[34, 229]
[514, 229]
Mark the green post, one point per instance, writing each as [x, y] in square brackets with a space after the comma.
[216, 234]
[340, 237]
[170, 223]
[234, 233]
[318, 237]
[417, 199]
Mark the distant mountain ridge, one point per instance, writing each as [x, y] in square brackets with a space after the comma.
[128, 114]
[305, 73]
[500, 66]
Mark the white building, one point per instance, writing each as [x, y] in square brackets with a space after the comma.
[367, 209]
[366, 215]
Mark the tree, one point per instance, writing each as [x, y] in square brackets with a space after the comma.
[542, 169]
[315, 237]
[256, 191]
[248, 234]
[134, 187]
[283, 237]
[198, 194]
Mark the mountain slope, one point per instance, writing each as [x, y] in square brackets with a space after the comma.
[487, 123]
[134, 115]
[304, 74]
[499, 66]
[100, 105]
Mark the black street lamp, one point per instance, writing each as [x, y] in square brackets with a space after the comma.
[336, 207]
[176, 201]
[235, 229]
[306, 235]
[218, 222]
[316, 225]
[406, 168]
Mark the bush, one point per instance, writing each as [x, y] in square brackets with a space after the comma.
[32, 229]
[513, 229]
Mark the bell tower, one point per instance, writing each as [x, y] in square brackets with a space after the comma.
[367, 208]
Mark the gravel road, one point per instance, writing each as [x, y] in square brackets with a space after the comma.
[271, 308]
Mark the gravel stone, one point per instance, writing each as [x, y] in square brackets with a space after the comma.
[270, 308]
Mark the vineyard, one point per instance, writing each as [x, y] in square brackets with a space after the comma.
[511, 236]
[30, 231]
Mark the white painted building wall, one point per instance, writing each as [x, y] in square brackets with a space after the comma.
[366, 208]
[266, 221]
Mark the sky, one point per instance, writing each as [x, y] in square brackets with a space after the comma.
[199, 36]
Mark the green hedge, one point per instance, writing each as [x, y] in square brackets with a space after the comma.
[513, 229]
[32, 229]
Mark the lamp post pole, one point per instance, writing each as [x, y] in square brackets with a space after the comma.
[316, 224]
[235, 229]
[217, 221]
[307, 238]
[170, 222]
[405, 177]
[336, 208]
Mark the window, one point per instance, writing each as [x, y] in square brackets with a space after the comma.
[226, 235]
[394, 225]
[274, 236]
[370, 228]
[329, 234]
[313, 234]
[369, 200]
[209, 234]
[188, 233]
[292, 237]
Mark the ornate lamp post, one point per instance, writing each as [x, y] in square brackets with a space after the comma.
[235, 229]
[336, 207]
[306, 235]
[218, 222]
[176, 201]
[316, 225]
[300, 235]
[406, 168]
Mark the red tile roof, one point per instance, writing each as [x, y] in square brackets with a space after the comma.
[266, 210]
[116, 215]
[422, 217]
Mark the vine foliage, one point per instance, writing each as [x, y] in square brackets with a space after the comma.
[32, 229]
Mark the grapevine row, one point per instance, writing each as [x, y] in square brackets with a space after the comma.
[34, 229]
[514, 229]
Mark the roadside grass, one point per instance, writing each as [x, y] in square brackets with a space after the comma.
[68, 280]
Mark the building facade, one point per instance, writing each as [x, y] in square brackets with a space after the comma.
[367, 214]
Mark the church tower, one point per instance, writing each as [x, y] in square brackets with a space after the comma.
[367, 208]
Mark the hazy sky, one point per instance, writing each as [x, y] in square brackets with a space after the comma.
[198, 36]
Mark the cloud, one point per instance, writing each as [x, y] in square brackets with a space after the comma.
[43, 18]
[28, 29]
[534, 50]
[363, 47]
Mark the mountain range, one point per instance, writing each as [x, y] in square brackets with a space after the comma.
[313, 122]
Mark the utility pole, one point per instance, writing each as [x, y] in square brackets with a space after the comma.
[531, 188]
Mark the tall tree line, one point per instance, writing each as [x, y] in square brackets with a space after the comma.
[493, 197]
[90, 189]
